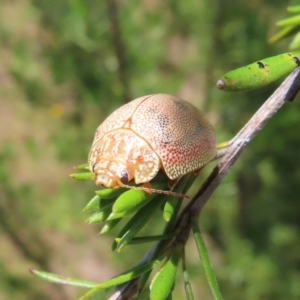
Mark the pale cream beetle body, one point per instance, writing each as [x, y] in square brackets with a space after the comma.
[148, 134]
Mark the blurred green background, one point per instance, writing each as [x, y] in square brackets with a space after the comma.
[66, 64]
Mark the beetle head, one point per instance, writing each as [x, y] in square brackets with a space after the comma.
[111, 174]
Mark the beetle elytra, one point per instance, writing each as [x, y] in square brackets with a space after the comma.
[148, 134]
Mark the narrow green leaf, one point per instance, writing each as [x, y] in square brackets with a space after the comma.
[98, 204]
[293, 9]
[104, 203]
[292, 21]
[63, 279]
[114, 216]
[120, 279]
[148, 239]
[163, 282]
[186, 279]
[82, 176]
[93, 205]
[110, 193]
[210, 276]
[295, 44]
[82, 167]
[134, 219]
[109, 225]
[100, 215]
[144, 295]
[140, 219]
[284, 33]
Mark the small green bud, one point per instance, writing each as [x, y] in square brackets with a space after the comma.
[162, 284]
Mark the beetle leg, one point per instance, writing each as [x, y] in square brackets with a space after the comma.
[171, 182]
[147, 187]
[196, 172]
[150, 190]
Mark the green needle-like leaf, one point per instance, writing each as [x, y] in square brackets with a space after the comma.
[109, 225]
[98, 204]
[134, 219]
[137, 271]
[100, 215]
[114, 216]
[93, 205]
[292, 21]
[284, 33]
[140, 219]
[144, 295]
[294, 9]
[187, 283]
[148, 239]
[295, 44]
[210, 276]
[63, 279]
[82, 167]
[82, 176]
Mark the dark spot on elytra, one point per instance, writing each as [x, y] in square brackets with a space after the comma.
[163, 121]
[296, 60]
[152, 110]
[180, 105]
[260, 65]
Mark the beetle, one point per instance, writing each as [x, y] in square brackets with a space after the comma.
[146, 135]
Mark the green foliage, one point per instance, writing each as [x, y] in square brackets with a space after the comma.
[290, 26]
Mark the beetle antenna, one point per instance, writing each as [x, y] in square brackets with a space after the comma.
[150, 190]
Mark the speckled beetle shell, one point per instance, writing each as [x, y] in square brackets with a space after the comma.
[148, 134]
